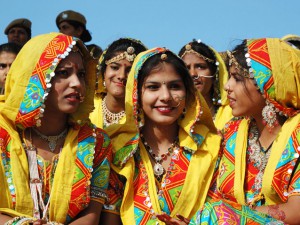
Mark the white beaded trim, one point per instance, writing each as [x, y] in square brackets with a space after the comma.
[48, 79]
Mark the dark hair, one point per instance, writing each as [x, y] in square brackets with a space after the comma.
[204, 50]
[118, 46]
[10, 47]
[239, 52]
[155, 63]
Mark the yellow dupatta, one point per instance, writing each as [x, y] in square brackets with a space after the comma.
[97, 115]
[197, 134]
[224, 113]
[35, 62]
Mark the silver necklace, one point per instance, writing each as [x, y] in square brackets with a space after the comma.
[109, 117]
[257, 155]
[52, 140]
[158, 168]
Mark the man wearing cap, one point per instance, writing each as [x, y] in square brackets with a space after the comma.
[73, 23]
[18, 31]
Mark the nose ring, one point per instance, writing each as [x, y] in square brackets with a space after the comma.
[196, 77]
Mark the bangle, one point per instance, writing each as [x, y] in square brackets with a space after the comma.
[14, 220]
[54, 223]
[24, 221]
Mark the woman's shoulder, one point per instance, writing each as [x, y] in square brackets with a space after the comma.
[233, 124]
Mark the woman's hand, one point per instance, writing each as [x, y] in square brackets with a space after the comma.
[172, 221]
[40, 222]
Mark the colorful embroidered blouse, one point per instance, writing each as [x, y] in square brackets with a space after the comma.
[85, 187]
[285, 180]
[168, 190]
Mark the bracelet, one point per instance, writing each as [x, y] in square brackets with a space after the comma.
[54, 223]
[24, 221]
[14, 220]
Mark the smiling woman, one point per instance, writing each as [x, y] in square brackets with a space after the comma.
[54, 163]
[165, 149]
[114, 66]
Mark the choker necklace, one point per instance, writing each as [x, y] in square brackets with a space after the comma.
[158, 168]
[109, 117]
[52, 140]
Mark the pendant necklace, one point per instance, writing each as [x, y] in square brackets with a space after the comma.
[52, 140]
[158, 168]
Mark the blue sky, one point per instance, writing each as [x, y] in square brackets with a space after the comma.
[167, 23]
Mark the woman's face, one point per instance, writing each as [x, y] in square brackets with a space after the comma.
[198, 68]
[6, 59]
[68, 85]
[163, 96]
[244, 98]
[115, 77]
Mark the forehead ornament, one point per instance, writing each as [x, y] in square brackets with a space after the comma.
[128, 55]
[242, 71]
[163, 57]
[189, 49]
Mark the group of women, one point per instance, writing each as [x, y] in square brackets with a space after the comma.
[146, 136]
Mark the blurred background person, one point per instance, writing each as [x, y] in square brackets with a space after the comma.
[18, 31]
[8, 53]
[292, 39]
[73, 23]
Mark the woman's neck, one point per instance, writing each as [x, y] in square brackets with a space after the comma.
[266, 135]
[53, 125]
[114, 105]
[160, 137]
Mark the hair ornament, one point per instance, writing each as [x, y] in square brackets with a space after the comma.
[189, 49]
[242, 71]
[128, 55]
[163, 56]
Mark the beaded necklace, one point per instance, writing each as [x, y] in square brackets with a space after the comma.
[109, 117]
[158, 168]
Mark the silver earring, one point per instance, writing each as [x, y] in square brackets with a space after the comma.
[269, 116]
